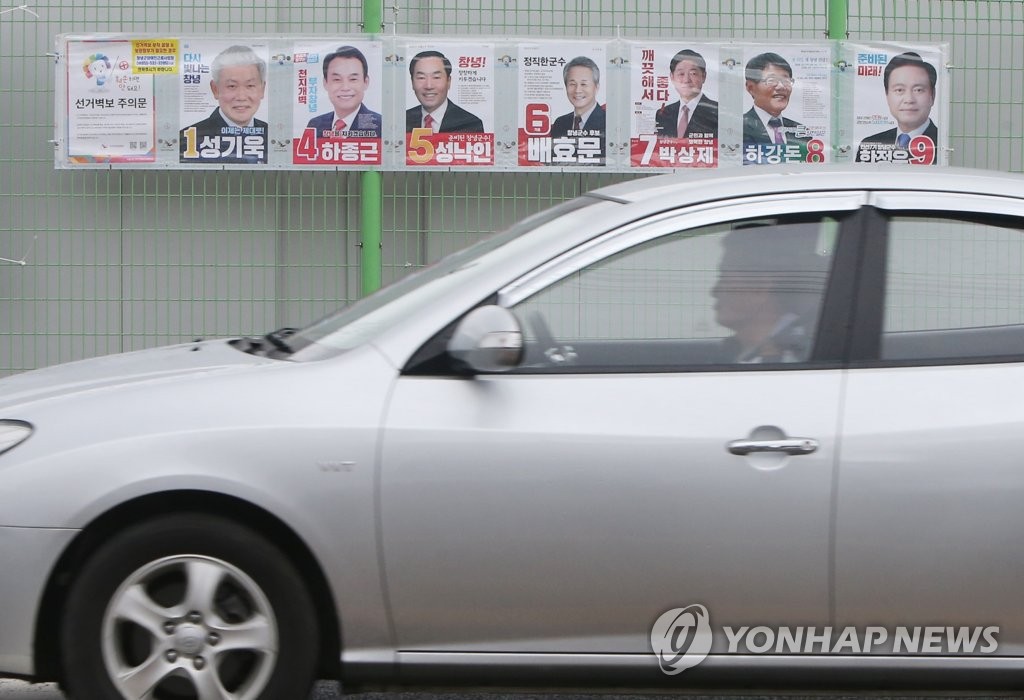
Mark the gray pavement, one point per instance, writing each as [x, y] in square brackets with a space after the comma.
[17, 690]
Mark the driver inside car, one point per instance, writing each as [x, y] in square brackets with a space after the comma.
[770, 283]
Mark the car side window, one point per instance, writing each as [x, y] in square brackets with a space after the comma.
[954, 289]
[739, 294]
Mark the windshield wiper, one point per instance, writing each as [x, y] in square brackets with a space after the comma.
[274, 342]
[278, 339]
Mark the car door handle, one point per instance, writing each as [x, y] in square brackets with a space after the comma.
[789, 446]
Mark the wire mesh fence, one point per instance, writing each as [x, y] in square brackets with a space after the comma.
[122, 260]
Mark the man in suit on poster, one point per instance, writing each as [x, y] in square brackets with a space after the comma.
[431, 74]
[238, 80]
[346, 78]
[769, 81]
[909, 84]
[582, 79]
[688, 72]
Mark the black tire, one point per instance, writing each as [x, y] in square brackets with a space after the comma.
[188, 600]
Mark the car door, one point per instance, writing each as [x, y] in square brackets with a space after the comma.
[620, 472]
[929, 514]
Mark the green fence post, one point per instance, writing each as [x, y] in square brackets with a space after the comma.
[838, 29]
[372, 201]
[372, 207]
[838, 11]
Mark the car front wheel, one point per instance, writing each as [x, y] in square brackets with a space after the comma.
[188, 606]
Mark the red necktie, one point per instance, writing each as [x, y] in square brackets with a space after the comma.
[340, 125]
[576, 123]
[428, 122]
[684, 120]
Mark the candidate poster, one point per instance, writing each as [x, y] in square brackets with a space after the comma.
[110, 110]
[674, 89]
[787, 103]
[900, 95]
[223, 107]
[336, 103]
[562, 104]
[449, 96]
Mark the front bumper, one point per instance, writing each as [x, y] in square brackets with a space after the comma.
[27, 557]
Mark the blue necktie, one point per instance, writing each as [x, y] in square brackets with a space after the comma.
[903, 141]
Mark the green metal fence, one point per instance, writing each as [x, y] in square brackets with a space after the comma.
[122, 260]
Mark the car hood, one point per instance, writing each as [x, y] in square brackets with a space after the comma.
[159, 365]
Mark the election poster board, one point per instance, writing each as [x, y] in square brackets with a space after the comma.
[111, 115]
[449, 100]
[224, 121]
[504, 104]
[562, 104]
[673, 101]
[787, 114]
[901, 97]
[337, 103]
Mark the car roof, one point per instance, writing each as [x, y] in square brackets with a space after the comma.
[692, 186]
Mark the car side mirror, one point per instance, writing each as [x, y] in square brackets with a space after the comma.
[487, 339]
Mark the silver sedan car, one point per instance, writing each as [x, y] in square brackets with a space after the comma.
[666, 432]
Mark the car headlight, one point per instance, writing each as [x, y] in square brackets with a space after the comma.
[13, 432]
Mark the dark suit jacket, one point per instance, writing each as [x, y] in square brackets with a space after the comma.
[456, 119]
[889, 137]
[754, 130]
[214, 125]
[595, 122]
[703, 120]
[366, 120]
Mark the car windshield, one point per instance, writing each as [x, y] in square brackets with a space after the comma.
[355, 324]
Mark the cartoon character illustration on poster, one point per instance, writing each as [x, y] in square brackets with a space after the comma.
[97, 67]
